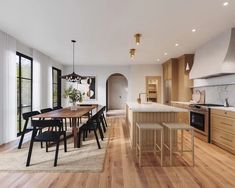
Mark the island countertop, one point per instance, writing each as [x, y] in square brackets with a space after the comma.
[153, 107]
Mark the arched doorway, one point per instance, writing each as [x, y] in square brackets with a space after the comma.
[116, 92]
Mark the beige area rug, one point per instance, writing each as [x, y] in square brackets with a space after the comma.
[88, 158]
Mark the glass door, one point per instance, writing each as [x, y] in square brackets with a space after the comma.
[24, 88]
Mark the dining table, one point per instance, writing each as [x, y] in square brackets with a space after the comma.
[74, 115]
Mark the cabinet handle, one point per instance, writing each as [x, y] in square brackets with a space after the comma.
[226, 124]
[226, 139]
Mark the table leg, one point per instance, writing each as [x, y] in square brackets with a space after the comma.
[75, 131]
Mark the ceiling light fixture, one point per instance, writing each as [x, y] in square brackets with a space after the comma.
[132, 53]
[176, 44]
[158, 60]
[225, 4]
[73, 77]
[193, 30]
[165, 53]
[137, 38]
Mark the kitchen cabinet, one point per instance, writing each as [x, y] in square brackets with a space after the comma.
[223, 129]
[170, 83]
[177, 86]
[184, 83]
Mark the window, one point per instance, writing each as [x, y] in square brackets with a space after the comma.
[56, 87]
[24, 65]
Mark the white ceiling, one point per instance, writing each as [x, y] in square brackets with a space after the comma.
[104, 29]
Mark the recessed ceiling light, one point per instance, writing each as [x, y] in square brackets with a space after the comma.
[193, 30]
[176, 44]
[165, 53]
[225, 4]
[158, 60]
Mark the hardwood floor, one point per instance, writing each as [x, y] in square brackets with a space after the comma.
[214, 167]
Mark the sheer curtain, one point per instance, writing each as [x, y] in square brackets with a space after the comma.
[8, 88]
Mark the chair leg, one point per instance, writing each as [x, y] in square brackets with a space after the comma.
[105, 121]
[30, 151]
[97, 139]
[100, 131]
[56, 152]
[84, 134]
[47, 146]
[41, 142]
[103, 124]
[65, 142]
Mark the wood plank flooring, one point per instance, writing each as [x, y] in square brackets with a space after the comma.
[214, 167]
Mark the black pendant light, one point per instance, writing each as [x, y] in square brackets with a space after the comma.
[73, 77]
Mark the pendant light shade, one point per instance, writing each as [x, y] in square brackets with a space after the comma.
[73, 77]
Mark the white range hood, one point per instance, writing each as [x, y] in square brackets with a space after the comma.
[215, 58]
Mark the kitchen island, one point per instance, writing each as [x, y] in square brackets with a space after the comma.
[149, 113]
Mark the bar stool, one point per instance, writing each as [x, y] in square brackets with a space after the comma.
[150, 127]
[175, 127]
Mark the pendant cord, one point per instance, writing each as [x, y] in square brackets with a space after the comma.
[73, 56]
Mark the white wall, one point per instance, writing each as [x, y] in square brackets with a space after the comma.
[135, 75]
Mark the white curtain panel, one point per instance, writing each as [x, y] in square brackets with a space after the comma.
[8, 88]
[42, 81]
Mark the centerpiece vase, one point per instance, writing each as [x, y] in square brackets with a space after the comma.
[73, 106]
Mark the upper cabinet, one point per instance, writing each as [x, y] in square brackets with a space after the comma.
[177, 86]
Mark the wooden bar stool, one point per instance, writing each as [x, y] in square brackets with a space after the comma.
[182, 127]
[150, 127]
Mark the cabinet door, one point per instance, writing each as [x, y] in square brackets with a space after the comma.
[164, 71]
[169, 70]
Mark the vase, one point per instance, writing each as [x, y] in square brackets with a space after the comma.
[73, 106]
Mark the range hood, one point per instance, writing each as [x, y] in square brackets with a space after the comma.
[215, 58]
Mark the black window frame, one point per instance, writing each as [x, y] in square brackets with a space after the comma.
[19, 132]
[58, 83]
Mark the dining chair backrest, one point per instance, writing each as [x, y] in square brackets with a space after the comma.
[45, 110]
[47, 123]
[57, 107]
[27, 115]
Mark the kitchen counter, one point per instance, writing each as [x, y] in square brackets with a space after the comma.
[153, 107]
[230, 109]
[181, 102]
[150, 113]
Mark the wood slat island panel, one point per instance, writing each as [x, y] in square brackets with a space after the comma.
[168, 114]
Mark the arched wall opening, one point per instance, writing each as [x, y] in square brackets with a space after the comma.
[116, 92]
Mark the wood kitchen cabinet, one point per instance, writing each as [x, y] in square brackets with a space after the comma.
[184, 83]
[170, 80]
[177, 86]
[223, 129]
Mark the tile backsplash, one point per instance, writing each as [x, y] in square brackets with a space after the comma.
[218, 94]
[217, 89]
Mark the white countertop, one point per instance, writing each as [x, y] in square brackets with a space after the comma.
[180, 102]
[231, 109]
[153, 107]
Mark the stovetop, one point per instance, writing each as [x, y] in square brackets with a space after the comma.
[208, 105]
[204, 106]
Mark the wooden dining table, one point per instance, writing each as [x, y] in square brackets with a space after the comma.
[74, 115]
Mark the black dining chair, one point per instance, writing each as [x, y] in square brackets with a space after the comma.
[45, 110]
[93, 124]
[47, 136]
[27, 116]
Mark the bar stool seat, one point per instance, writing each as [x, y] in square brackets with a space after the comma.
[151, 127]
[182, 127]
